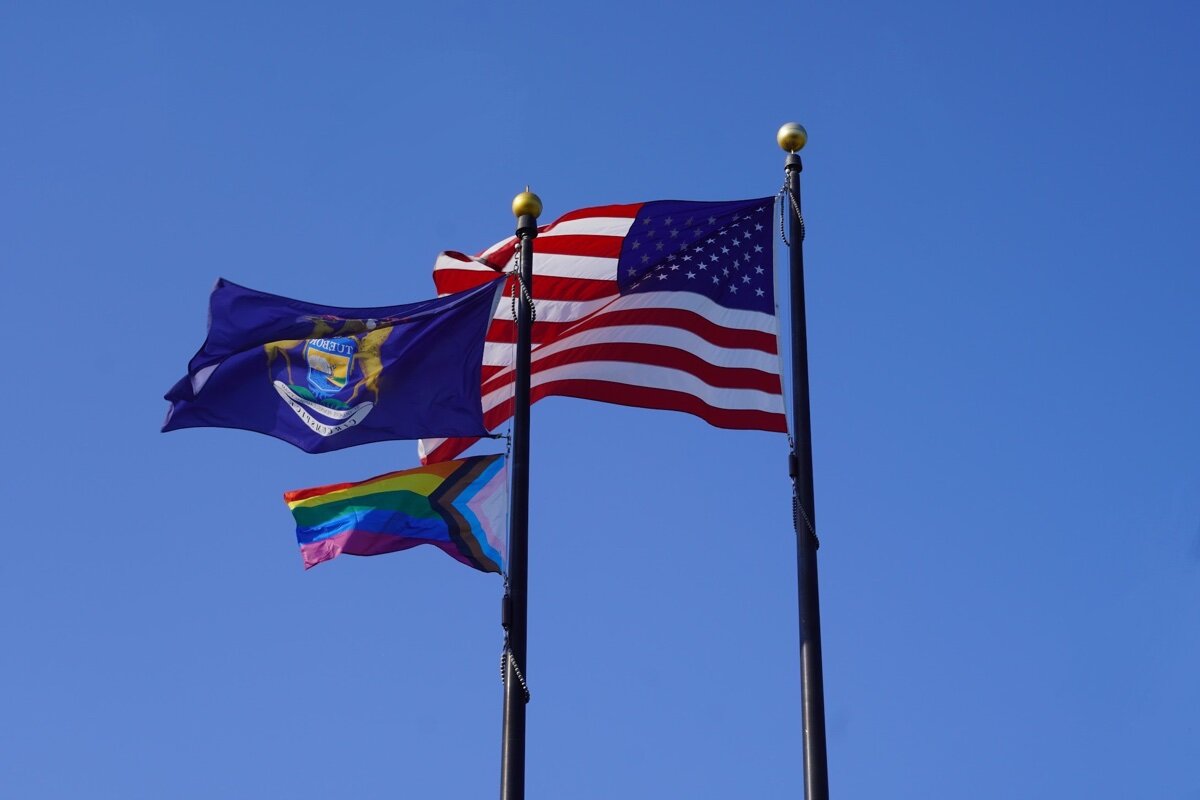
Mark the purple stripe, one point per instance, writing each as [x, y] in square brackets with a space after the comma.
[367, 543]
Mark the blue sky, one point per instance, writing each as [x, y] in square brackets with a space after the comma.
[1002, 277]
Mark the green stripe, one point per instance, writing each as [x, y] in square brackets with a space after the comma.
[410, 503]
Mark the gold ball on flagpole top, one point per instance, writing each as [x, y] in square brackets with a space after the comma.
[527, 203]
[792, 137]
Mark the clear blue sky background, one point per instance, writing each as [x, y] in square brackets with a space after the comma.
[1002, 210]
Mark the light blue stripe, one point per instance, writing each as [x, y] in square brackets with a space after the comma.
[460, 503]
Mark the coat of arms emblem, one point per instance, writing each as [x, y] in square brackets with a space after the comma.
[330, 362]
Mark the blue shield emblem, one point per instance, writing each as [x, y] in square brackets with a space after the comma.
[330, 363]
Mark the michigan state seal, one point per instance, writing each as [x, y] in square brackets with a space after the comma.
[333, 369]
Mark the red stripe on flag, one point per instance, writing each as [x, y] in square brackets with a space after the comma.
[504, 330]
[552, 287]
[653, 355]
[579, 245]
[451, 448]
[628, 210]
[546, 287]
[666, 399]
[449, 281]
[304, 494]
[622, 394]
[666, 357]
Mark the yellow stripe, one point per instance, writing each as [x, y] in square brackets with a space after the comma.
[418, 483]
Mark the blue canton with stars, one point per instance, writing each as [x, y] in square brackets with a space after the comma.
[719, 250]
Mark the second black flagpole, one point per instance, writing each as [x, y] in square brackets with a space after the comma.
[526, 206]
[792, 138]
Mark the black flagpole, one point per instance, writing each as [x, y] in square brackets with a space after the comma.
[792, 138]
[514, 617]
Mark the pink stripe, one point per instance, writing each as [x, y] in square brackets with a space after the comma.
[490, 506]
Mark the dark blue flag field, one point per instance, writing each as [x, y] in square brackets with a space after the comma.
[325, 378]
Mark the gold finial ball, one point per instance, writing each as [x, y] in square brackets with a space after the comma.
[792, 137]
[527, 203]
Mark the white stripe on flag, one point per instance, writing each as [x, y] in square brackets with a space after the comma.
[732, 347]
[651, 377]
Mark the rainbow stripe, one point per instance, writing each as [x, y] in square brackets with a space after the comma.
[458, 506]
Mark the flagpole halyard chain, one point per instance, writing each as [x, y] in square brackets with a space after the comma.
[505, 656]
[785, 190]
[798, 512]
[516, 273]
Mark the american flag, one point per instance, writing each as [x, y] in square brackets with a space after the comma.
[667, 304]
